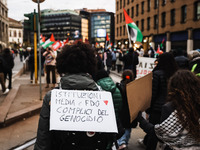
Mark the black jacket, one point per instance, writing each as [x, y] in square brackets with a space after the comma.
[159, 91]
[125, 114]
[66, 140]
[9, 62]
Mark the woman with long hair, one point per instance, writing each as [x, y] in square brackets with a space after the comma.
[180, 120]
[165, 68]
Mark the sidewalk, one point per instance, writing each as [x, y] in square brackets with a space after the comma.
[23, 100]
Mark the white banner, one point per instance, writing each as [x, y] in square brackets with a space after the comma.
[73, 110]
[145, 66]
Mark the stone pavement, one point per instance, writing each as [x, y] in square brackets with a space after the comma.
[23, 100]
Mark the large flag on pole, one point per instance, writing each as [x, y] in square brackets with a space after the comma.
[49, 42]
[134, 32]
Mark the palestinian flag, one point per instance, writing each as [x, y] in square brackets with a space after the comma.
[56, 45]
[42, 40]
[134, 32]
[49, 42]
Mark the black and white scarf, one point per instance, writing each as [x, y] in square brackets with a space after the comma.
[171, 132]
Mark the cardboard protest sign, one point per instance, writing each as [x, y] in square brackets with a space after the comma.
[145, 66]
[75, 110]
[139, 94]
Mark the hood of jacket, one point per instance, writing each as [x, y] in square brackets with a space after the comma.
[107, 84]
[80, 81]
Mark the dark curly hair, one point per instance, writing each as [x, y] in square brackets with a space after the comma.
[183, 92]
[167, 63]
[77, 58]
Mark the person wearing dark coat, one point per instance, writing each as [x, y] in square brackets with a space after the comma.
[181, 60]
[2, 82]
[75, 75]
[179, 125]
[130, 60]
[165, 68]
[127, 77]
[10, 64]
[108, 60]
[194, 64]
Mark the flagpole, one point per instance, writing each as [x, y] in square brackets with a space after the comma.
[40, 68]
[130, 45]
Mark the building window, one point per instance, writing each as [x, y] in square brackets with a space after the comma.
[137, 23]
[164, 2]
[142, 25]
[120, 31]
[128, 12]
[20, 35]
[148, 23]
[137, 10]
[183, 14]
[128, 2]
[120, 17]
[155, 4]
[15, 34]
[197, 10]
[120, 4]
[163, 19]
[117, 31]
[142, 8]
[124, 3]
[155, 21]
[132, 12]
[172, 0]
[172, 17]
[117, 18]
[149, 5]
[10, 33]
[117, 5]
[132, 0]
[124, 30]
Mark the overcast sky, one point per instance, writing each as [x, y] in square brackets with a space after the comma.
[17, 8]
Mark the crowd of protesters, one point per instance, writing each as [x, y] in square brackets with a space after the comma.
[173, 113]
[172, 121]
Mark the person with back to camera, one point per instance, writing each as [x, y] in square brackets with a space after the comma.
[50, 63]
[7, 56]
[180, 120]
[165, 68]
[130, 60]
[75, 64]
[127, 77]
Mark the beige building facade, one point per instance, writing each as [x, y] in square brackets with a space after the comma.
[176, 22]
[4, 23]
[15, 32]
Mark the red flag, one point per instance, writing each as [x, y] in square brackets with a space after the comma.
[67, 40]
[158, 50]
[107, 38]
[52, 38]
[127, 18]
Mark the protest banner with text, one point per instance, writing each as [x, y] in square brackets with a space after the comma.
[75, 110]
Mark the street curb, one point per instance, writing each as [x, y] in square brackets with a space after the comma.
[24, 113]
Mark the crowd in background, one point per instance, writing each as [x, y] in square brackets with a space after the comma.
[172, 120]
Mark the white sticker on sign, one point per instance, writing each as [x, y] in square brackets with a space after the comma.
[75, 110]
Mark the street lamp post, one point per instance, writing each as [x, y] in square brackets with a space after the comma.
[38, 2]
